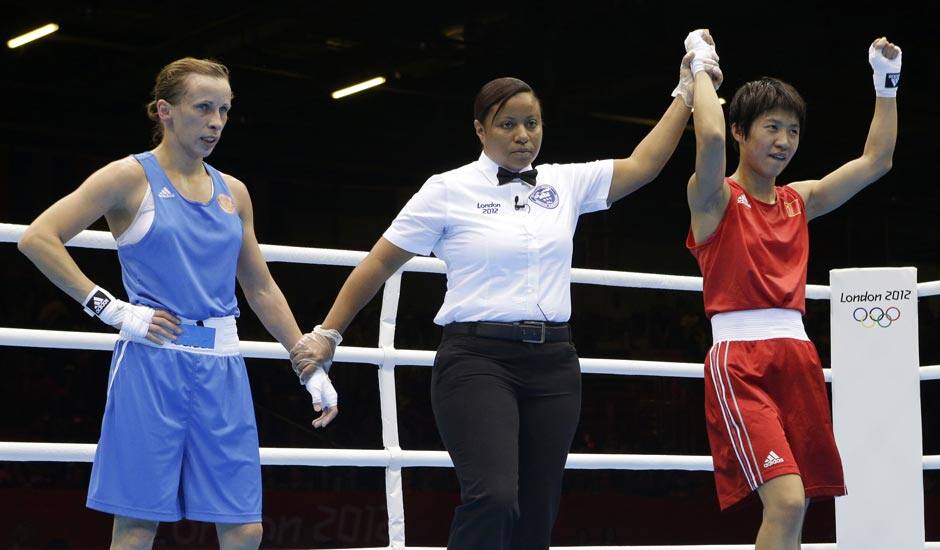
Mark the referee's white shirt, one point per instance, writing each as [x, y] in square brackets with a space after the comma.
[507, 247]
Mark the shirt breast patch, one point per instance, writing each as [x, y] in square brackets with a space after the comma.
[544, 196]
[792, 208]
[226, 203]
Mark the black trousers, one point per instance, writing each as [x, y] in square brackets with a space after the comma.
[507, 412]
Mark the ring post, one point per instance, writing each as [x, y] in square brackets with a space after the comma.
[394, 497]
[876, 408]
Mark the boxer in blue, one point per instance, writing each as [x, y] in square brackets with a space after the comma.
[178, 439]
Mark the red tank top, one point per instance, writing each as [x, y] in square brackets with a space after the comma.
[757, 256]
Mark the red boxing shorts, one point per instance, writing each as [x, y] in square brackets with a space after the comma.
[768, 415]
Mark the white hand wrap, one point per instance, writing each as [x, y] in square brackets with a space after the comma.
[695, 42]
[321, 389]
[133, 321]
[887, 72]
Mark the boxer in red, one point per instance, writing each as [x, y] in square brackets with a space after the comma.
[769, 424]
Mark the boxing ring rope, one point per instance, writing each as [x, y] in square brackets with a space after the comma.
[392, 458]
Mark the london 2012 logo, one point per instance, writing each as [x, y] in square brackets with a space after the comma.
[876, 316]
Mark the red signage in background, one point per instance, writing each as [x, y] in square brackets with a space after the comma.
[49, 518]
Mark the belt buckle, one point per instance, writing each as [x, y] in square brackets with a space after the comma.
[527, 327]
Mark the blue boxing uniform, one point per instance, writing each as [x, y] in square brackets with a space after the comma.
[178, 438]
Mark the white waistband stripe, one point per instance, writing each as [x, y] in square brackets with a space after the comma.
[226, 338]
[758, 324]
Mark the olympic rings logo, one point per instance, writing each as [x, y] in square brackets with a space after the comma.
[876, 316]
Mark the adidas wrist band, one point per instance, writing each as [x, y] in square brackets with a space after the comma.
[886, 73]
[96, 301]
[886, 84]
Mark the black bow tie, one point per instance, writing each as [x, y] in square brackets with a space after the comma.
[505, 176]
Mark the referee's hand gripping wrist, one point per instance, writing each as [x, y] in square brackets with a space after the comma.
[700, 43]
[686, 83]
[134, 322]
[311, 358]
[701, 53]
[314, 350]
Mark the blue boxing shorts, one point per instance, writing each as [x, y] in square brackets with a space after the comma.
[178, 438]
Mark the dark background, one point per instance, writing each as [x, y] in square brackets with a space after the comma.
[333, 174]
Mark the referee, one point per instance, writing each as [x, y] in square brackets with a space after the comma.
[506, 384]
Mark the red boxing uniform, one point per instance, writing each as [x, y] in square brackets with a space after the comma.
[757, 256]
[765, 395]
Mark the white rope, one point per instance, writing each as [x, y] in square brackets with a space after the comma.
[930, 373]
[327, 256]
[378, 458]
[804, 546]
[382, 458]
[102, 341]
[642, 368]
[823, 546]
[830, 546]
[928, 289]
[636, 280]
[576, 461]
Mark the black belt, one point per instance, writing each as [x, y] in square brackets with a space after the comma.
[532, 332]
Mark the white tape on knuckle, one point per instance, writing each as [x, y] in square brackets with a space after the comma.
[314, 388]
[134, 326]
[330, 397]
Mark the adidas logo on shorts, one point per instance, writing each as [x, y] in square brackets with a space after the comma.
[772, 460]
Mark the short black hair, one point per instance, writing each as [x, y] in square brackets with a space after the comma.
[758, 97]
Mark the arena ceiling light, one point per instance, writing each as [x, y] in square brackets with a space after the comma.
[34, 34]
[356, 88]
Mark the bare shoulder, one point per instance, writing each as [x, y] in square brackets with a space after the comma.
[236, 185]
[124, 171]
[803, 188]
[240, 194]
[122, 181]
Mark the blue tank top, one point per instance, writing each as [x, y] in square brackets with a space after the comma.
[186, 262]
